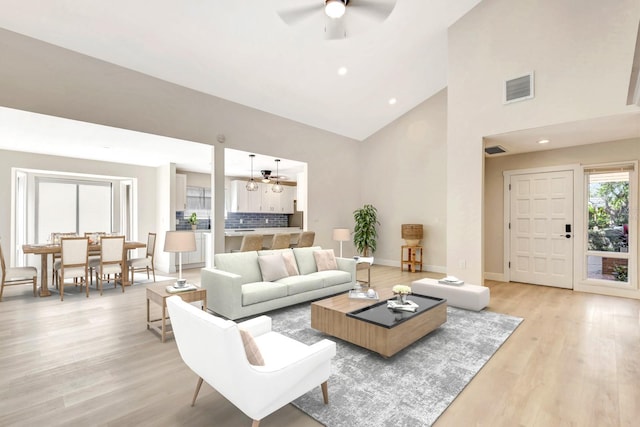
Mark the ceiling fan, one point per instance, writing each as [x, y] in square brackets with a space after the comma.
[338, 17]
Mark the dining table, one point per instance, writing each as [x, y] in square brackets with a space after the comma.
[46, 249]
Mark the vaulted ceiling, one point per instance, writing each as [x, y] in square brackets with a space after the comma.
[245, 52]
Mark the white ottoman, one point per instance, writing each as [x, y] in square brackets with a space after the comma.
[470, 297]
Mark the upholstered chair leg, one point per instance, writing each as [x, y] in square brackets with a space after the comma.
[255, 423]
[1, 291]
[153, 270]
[325, 392]
[35, 285]
[193, 402]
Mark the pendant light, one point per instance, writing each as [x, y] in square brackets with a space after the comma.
[277, 187]
[252, 185]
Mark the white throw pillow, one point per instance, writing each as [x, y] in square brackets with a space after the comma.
[325, 260]
[272, 267]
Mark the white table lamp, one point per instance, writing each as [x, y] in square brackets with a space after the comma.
[178, 242]
[341, 235]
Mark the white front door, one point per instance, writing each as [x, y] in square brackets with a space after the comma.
[541, 228]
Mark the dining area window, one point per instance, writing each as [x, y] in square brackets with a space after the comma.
[71, 206]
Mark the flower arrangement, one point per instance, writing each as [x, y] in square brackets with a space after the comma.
[401, 289]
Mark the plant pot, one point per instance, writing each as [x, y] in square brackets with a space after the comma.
[194, 227]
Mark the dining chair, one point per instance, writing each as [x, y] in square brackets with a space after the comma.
[251, 242]
[146, 263]
[74, 262]
[17, 275]
[306, 239]
[94, 256]
[111, 258]
[55, 239]
[280, 241]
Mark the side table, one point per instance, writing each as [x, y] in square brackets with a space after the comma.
[413, 257]
[158, 294]
[364, 266]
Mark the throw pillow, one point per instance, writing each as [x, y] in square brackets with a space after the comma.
[272, 267]
[251, 349]
[290, 263]
[325, 260]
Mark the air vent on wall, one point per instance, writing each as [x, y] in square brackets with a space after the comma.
[518, 89]
[496, 149]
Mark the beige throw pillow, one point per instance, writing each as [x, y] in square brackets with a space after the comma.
[325, 260]
[251, 349]
[290, 263]
[272, 267]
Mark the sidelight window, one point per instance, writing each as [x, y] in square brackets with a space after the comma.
[610, 233]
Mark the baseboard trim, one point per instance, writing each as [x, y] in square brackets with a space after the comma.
[494, 276]
[425, 267]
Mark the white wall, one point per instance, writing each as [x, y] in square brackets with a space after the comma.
[42, 78]
[404, 177]
[581, 52]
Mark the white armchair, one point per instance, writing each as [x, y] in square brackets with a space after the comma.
[212, 347]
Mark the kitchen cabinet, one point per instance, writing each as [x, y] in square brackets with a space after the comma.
[262, 201]
[243, 200]
[181, 192]
[198, 256]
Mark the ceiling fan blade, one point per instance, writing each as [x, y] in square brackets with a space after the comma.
[295, 15]
[374, 9]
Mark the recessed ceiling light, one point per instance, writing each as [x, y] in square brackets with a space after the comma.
[392, 101]
[342, 71]
[543, 141]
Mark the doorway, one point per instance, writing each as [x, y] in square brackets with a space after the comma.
[539, 215]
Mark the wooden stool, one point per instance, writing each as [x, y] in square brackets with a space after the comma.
[413, 259]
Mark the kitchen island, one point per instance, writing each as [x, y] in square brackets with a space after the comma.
[233, 236]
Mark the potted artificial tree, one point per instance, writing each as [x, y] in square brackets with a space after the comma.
[365, 234]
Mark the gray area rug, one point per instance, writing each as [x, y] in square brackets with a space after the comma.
[413, 387]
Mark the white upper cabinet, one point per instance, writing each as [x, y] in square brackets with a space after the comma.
[262, 201]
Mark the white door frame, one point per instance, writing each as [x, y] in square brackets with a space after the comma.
[577, 222]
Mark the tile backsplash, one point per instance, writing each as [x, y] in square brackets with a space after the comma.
[255, 220]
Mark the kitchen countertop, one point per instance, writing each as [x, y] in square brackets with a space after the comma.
[240, 232]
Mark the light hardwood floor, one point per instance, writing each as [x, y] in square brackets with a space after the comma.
[575, 360]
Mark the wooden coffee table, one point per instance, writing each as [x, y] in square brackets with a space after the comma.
[386, 332]
[158, 294]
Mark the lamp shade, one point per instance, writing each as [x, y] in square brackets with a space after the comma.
[341, 234]
[180, 241]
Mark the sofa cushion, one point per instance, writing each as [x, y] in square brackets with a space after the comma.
[245, 264]
[325, 260]
[272, 267]
[256, 292]
[331, 277]
[289, 259]
[300, 284]
[305, 259]
[251, 349]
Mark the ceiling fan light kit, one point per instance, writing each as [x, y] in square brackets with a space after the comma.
[335, 8]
